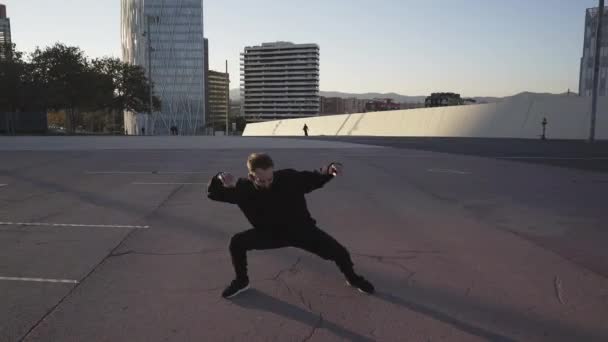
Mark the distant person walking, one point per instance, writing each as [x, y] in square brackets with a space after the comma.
[143, 131]
[305, 130]
[544, 123]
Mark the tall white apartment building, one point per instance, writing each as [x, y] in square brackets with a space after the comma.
[280, 80]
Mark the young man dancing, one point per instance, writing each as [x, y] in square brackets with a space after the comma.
[274, 203]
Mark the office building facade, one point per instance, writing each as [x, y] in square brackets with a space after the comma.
[165, 37]
[588, 59]
[219, 84]
[5, 32]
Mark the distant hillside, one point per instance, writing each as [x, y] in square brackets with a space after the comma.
[367, 96]
[235, 95]
[399, 98]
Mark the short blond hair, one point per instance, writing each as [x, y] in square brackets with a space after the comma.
[259, 161]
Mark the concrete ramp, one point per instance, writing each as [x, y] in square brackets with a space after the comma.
[517, 117]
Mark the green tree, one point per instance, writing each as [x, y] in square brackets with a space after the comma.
[61, 78]
[131, 88]
[13, 76]
[64, 74]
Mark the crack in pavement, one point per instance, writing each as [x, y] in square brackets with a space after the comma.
[382, 259]
[331, 295]
[291, 269]
[404, 251]
[282, 281]
[304, 301]
[314, 329]
[557, 282]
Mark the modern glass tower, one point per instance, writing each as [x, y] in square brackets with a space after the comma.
[588, 59]
[5, 32]
[166, 38]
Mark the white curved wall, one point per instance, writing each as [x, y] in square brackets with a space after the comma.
[516, 117]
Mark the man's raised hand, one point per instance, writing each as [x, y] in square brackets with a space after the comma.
[228, 180]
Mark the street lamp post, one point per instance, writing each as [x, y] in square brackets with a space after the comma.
[227, 97]
[149, 49]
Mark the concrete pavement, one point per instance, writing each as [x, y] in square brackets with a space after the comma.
[460, 248]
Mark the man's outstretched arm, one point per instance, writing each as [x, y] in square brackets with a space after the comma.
[222, 188]
[309, 181]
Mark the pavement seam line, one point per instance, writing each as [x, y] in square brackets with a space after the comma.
[71, 225]
[132, 252]
[40, 280]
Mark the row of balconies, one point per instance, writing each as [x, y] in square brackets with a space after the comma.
[279, 115]
[248, 58]
[278, 51]
[279, 73]
[248, 84]
[250, 98]
[282, 92]
[309, 77]
[259, 68]
[292, 93]
[298, 62]
[282, 104]
[289, 86]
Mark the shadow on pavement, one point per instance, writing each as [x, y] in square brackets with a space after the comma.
[440, 316]
[256, 300]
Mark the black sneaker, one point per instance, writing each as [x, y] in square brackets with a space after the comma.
[361, 284]
[236, 286]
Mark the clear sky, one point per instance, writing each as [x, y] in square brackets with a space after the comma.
[412, 47]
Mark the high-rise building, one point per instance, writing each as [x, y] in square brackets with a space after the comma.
[331, 105]
[280, 80]
[206, 78]
[5, 32]
[354, 105]
[378, 105]
[218, 99]
[166, 38]
[588, 59]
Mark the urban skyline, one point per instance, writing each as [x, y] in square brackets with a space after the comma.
[487, 49]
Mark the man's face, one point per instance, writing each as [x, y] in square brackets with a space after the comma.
[262, 178]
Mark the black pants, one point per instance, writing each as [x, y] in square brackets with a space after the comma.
[311, 239]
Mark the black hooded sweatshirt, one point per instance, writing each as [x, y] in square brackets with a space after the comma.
[279, 208]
